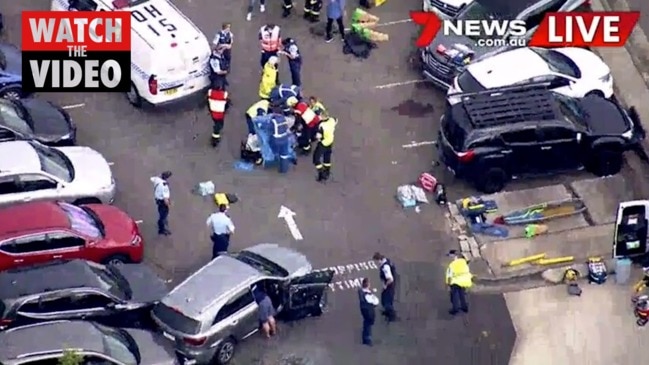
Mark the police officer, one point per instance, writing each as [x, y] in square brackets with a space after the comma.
[388, 275]
[219, 69]
[270, 41]
[162, 198]
[458, 279]
[282, 93]
[324, 148]
[294, 60]
[287, 8]
[312, 10]
[368, 302]
[221, 227]
[225, 39]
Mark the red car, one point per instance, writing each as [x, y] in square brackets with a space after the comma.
[44, 231]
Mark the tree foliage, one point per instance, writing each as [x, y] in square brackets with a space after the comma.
[71, 357]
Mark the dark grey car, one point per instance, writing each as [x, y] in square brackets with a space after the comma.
[46, 343]
[115, 295]
[36, 119]
[447, 56]
[11, 73]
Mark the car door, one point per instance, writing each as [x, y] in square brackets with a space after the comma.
[560, 148]
[9, 190]
[66, 245]
[307, 295]
[26, 250]
[35, 187]
[522, 151]
[238, 317]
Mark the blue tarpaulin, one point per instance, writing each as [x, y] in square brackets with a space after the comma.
[276, 140]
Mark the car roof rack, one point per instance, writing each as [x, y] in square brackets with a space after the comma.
[510, 104]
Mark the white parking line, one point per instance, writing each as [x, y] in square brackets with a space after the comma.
[388, 23]
[419, 144]
[139, 221]
[403, 83]
[73, 106]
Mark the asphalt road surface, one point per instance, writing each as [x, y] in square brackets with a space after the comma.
[643, 8]
[343, 222]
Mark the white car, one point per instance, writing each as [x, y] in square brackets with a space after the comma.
[30, 171]
[445, 9]
[574, 72]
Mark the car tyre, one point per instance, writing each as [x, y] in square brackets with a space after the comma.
[225, 351]
[83, 201]
[493, 180]
[116, 260]
[607, 163]
[13, 92]
[597, 93]
[322, 306]
[133, 96]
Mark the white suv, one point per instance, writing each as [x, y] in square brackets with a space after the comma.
[445, 9]
[30, 171]
[574, 72]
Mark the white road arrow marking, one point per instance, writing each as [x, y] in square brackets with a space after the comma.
[288, 216]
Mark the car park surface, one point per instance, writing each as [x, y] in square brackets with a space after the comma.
[342, 222]
[38, 232]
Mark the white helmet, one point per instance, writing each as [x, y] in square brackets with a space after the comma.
[273, 60]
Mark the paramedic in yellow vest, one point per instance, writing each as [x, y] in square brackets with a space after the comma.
[257, 109]
[269, 78]
[458, 279]
[324, 149]
[316, 105]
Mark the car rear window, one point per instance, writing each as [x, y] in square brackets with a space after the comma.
[468, 83]
[175, 320]
[453, 132]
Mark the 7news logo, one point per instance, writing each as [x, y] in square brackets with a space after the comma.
[592, 29]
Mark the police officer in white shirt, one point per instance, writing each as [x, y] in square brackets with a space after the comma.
[368, 302]
[388, 275]
[219, 68]
[221, 227]
[162, 196]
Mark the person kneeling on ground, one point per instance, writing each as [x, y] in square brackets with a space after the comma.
[266, 313]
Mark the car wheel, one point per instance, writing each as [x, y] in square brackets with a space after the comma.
[134, 97]
[11, 93]
[83, 201]
[492, 181]
[322, 306]
[607, 163]
[116, 260]
[225, 351]
[597, 93]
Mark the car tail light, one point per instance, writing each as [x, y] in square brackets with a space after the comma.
[136, 240]
[200, 341]
[5, 322]
[465, 157]
[153, 85]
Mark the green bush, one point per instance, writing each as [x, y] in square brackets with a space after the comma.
[70, 357]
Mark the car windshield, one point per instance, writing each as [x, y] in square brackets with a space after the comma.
[477, 11]
[81, 221]
[468, 83]
[119, 345]
[260, 263]
[557, 62]
[572, 110]
[109, 281]
[12, 118]
[54, 162]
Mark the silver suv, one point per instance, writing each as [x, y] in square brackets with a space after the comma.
[214, 309]
[30, 171]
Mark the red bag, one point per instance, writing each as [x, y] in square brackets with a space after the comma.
[427, 182]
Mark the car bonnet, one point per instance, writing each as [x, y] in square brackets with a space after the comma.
[295, 263]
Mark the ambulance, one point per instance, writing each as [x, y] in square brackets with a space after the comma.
[169, 55]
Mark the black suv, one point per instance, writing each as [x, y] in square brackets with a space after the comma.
[114, 295]
[493, 136]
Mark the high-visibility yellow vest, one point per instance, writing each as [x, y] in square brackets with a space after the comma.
[327, 129]
[268, 81]
[261, 104]
[458, 273]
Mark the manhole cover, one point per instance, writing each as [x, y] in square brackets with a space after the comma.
[295, 360]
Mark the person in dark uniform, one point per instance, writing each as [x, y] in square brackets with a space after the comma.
[224, 39]
[368, 302]
[312, 10]
[292, 52]
[218, 69]
[287, 8]
[162, 197]
[388, 274]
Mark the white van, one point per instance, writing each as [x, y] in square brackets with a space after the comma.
[170, 55]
